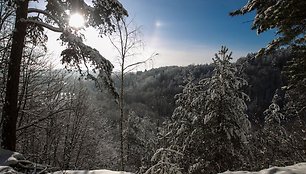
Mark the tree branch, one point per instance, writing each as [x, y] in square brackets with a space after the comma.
[141, 62]
[48, 26]
[40, 119]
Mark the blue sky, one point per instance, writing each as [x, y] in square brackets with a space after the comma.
[187, 32]
[198, 26]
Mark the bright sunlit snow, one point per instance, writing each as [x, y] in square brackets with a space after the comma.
[90, 172]
[299, 168]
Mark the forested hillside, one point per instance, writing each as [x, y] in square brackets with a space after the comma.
[157, 88]
[74, 114]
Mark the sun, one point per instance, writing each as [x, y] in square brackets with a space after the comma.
[158, 24]
[76, 20]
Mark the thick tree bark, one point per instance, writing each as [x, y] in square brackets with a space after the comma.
[10, 112]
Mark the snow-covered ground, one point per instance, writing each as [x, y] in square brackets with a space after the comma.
[6, 169]
[299, 168]
[8, 158]
[90, 172]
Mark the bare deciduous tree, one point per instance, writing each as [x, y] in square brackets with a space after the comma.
[126, 40]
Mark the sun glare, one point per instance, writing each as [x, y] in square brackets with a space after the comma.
[76, 20]
[158, 24]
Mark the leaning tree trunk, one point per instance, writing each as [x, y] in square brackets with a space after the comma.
[10, 111]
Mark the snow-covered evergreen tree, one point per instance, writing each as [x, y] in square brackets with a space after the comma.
[288, 19]
[219, 139]
[276, 144]
[209, 125]
[273, 116]
[224, 100]
[274, 134]
[181, 125]
[166, 162]
[183, 115]
[139, 144]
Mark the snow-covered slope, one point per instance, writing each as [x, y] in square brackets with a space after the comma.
[294, 169]
[6, 169]
[9, 158]
[90, 172]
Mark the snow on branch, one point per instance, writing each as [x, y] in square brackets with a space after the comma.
[78, 53]
[48, 26]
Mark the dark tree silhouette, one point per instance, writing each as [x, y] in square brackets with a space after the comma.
[99, 15]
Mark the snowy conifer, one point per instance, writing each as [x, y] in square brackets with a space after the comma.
[166, 162]
[209, 125]
[183, 115]
[224, 100]
[278, 146]
[273, 116]
[217, 141]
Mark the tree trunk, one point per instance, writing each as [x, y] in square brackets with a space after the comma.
[122, 164]
[10, 112]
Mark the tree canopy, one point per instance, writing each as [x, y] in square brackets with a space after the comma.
[288, 18]
[100, 14]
